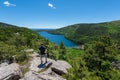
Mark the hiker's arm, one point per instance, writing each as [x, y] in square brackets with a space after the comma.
[46, 51]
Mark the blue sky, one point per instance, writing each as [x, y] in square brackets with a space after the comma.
[57, 13]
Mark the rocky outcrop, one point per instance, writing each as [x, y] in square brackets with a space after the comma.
[35, 63]
[52, 70]
[40, 76]
[60, 67]
[3, 64]
[10, 72]
[30, 76]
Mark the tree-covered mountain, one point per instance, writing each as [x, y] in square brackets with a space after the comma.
[15, 40]
[3, 25]
[98, 61]
[85, 33]
[101, 58]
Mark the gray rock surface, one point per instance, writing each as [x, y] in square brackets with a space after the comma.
[60, 67]
[46, 71]
[10, 72]
[36, 76]
[3, 64]
[50, 77]
[52, 70]
[35, 64]
[30, 76]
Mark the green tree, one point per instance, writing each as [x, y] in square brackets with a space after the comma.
[62, 48]
[100, 55]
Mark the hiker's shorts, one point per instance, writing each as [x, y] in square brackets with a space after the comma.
[43, 55]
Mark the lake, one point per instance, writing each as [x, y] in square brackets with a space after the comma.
[57, 39]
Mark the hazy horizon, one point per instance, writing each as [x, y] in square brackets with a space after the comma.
[53, 14]
[57, 27]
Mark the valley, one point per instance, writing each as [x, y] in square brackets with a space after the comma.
[99, 58]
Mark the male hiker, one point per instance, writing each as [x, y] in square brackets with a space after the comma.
[43, 52]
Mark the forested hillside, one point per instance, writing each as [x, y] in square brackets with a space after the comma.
[15, 40]
[100, 60]
[85, 33]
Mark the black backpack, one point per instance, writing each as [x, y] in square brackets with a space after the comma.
[42, 49]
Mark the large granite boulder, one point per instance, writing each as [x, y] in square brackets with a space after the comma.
[50, 77]
[35, 64]
[60, 67]
[30, 76]
[40, 76]
[52, 70]
[3, 64]
[48, 74]
[10, 72]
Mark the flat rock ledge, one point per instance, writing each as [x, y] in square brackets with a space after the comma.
[60, 67]
[10, 72]
[52, 70]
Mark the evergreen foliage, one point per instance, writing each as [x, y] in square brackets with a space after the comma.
[86, 33]
[15, 40]
[93, 63]
[96, 62]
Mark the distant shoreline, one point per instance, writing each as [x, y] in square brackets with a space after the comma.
[39, 30]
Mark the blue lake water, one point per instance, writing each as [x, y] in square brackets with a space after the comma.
[57, 39]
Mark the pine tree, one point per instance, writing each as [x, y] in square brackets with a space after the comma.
[62, 48]
[100, 55]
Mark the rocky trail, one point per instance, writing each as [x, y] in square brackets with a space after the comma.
[52, 70]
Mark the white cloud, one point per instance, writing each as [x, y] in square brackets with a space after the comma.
[7, 3]
[51, 5]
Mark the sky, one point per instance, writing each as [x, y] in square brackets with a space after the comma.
[57, 13]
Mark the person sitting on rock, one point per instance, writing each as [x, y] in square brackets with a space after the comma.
[43, 52]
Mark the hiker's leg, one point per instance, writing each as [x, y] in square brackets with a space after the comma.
[46, 57]
[41, 59]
